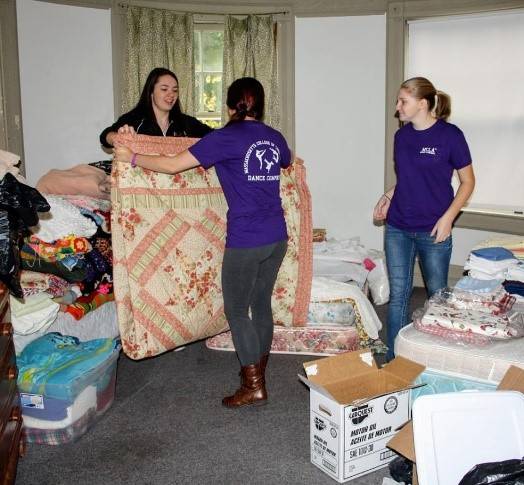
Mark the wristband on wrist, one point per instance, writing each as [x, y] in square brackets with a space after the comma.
[387, 197]
[133, 160]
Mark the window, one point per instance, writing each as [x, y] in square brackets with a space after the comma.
[475, 58]
[208, 49]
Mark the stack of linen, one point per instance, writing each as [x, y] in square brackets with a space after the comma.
[499, 262]
[67, 269]
[481, 307]
[340, 319]
[490, 263]
[470, 317]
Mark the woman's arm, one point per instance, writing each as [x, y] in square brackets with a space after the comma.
[195, 128]
[158, 163]
[442, 228]
[382, 206]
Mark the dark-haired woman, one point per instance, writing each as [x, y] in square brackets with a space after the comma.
[247, 156]
[158, 112]
[420, 209]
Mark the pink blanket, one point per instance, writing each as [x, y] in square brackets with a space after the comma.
[168, 239]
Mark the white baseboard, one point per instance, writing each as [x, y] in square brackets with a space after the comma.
[455, 273]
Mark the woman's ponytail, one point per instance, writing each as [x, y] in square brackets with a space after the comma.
[443, 105]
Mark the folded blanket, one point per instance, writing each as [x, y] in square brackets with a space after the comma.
[79, 180]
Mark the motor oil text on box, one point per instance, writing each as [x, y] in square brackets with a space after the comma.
[355, 408]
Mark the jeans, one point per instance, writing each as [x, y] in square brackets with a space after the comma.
[401, 249]
[248, 278]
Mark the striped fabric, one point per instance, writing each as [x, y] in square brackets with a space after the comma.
[168, 241]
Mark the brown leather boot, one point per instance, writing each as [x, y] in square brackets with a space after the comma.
[263, 363]
[252, 390]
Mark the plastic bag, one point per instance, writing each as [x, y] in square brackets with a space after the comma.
[401, 470]
[378, 278]
[509, 472]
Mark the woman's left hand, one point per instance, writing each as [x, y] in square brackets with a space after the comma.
[442, 229]
[122, 154]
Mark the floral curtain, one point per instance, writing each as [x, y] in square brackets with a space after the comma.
[250, 49]
[158, 38]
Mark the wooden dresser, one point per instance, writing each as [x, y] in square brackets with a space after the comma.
[11, 441]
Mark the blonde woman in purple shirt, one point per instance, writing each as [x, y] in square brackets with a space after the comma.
[248, 156]
[420, 209]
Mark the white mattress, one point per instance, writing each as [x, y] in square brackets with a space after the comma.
[489, 363]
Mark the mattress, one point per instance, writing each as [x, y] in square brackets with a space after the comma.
[489, 363]
[311, 340]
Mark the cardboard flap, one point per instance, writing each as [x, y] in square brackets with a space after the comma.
[316, 387]
[403, 442]
[404, 369]
[342, 366]
[513, 380]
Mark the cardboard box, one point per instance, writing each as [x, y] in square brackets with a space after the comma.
[355, 408]
[403, 442]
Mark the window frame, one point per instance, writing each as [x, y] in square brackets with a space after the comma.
[399, 13]
[11, 138]
[203, 115]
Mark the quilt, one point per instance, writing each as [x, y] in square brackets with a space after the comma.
[168, 243]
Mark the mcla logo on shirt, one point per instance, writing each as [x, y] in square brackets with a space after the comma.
[429, 151]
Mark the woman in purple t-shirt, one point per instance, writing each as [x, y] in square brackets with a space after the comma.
[420, 209]
[247, 156]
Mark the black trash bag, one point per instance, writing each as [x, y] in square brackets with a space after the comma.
[401, 470]
[19, 207]
[508, 472]
[21, 200]
[10, 237]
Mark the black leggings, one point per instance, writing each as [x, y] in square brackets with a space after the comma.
[248, 278]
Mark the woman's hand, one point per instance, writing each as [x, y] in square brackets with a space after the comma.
[126, 130]
[298, 161]
[381, 209]
[442, 229]
[122, 154]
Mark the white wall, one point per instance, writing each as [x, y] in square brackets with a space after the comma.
[66, 84]
[340, 108]
[340, 67]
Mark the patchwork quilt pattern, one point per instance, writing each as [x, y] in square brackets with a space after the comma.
[168, 243]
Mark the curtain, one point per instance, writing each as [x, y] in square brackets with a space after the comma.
[158, 38]
[250, 49]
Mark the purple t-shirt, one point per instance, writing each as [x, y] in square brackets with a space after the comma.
[248, 156]
[424, 163]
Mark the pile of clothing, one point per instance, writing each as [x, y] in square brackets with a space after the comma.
[66, 263]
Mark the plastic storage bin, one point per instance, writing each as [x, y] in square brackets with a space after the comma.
[62, 411]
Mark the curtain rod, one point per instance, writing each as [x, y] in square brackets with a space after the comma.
[124, 5]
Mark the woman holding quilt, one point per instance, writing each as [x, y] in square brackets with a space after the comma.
[248, 156]
[158, 112]
[420, 209]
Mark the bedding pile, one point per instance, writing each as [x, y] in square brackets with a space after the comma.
[340, 319]
[484, 306]
[66, 266]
